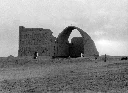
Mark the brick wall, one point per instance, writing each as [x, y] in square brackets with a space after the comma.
[35, 40]
[76, 47]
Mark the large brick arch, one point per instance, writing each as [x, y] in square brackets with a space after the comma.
[63, 43]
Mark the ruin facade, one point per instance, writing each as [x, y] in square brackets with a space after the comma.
[38, 40]
[41, 41]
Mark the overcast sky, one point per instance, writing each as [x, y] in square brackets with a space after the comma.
[106, 21]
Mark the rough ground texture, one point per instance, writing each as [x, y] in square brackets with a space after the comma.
[72, 77]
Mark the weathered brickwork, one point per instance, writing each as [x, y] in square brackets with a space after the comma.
[35, 40]
[76, 47]
[32, 40]
[88, 43]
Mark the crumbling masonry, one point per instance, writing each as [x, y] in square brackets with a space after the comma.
[33, 40]
[42, 41]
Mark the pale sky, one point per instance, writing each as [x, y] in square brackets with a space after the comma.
[106, 21]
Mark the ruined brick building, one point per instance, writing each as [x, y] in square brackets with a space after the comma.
[42, 41]
[33, 40]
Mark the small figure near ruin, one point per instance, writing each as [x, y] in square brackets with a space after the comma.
[82, 55]
[105, 58]
[35, 55]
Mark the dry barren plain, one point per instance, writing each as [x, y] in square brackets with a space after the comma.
[63, 76]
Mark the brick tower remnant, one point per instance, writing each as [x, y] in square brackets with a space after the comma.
[38, 40]
[76, 47]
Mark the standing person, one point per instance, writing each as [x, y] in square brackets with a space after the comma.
[105, 58]
[35, 55]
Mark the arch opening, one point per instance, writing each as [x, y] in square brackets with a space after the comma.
[75, 33]
[76, 47]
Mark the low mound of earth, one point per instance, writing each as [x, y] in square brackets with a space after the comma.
[70, 76]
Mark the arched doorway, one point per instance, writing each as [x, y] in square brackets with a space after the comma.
[63, 45]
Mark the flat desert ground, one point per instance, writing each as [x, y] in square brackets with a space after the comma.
[70, 76]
